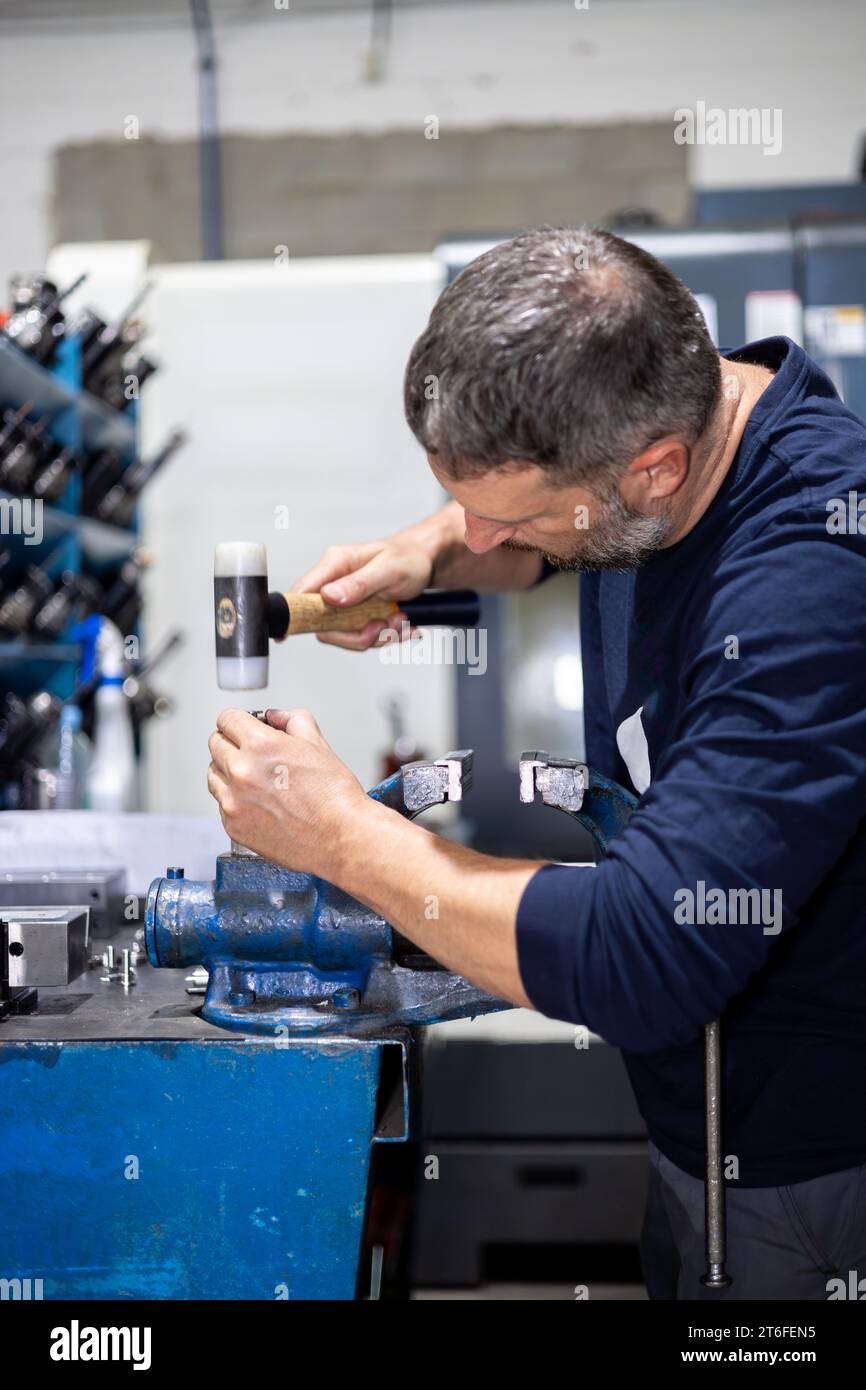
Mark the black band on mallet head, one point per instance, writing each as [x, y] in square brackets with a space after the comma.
[240, 615]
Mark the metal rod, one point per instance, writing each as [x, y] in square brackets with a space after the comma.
[714, 1183]
[377, 1262]
[209, 152]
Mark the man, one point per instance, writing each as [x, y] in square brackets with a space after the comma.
[571, 401]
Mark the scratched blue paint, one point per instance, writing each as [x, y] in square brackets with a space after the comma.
[240, 1188]
[606, 810]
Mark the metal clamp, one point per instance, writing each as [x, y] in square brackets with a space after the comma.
[601, 806]
[427, 782]
[560, 782]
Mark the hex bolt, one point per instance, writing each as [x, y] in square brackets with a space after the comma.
[126, 973]
[109, 965]
[346, 997]
[174, 873]
[196, 981]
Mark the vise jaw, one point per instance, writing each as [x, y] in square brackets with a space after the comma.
[290, 954]
[601, 806]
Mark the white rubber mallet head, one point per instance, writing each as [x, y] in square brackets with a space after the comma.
[240, 584]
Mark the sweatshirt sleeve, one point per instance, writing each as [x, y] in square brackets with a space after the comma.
[760, 787]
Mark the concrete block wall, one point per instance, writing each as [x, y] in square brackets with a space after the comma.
[361, 194]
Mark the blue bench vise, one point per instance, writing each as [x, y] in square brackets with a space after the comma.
[288, 954]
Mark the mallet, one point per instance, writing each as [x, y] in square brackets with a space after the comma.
[247, 616]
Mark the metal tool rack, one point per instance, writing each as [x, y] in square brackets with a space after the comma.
[82, 423]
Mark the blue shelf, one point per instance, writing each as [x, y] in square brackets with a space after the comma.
[98, 426]
[22, 379]
[102, 544]
[104, 428]
[27, 666]
[22, 649]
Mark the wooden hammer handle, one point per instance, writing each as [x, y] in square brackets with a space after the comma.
[310, 613]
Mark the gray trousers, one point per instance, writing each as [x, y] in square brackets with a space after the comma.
[793, 1242]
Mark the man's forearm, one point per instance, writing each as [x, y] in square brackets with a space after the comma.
[455, 566]
[458, 906]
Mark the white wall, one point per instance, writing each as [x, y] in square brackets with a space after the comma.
[289, 380]
[73, 79]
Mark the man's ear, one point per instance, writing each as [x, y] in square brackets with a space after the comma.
[657, 473]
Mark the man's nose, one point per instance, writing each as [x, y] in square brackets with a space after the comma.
[485, 535]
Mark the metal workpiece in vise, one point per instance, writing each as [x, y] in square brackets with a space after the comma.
[290, 954]
[601, 806]
[604, 809]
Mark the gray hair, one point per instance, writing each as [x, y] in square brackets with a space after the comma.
[568, 348]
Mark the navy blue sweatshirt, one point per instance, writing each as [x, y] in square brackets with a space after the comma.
[725, 683]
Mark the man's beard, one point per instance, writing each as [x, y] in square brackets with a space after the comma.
[618, 539]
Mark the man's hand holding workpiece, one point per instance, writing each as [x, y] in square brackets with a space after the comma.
[281, 789]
